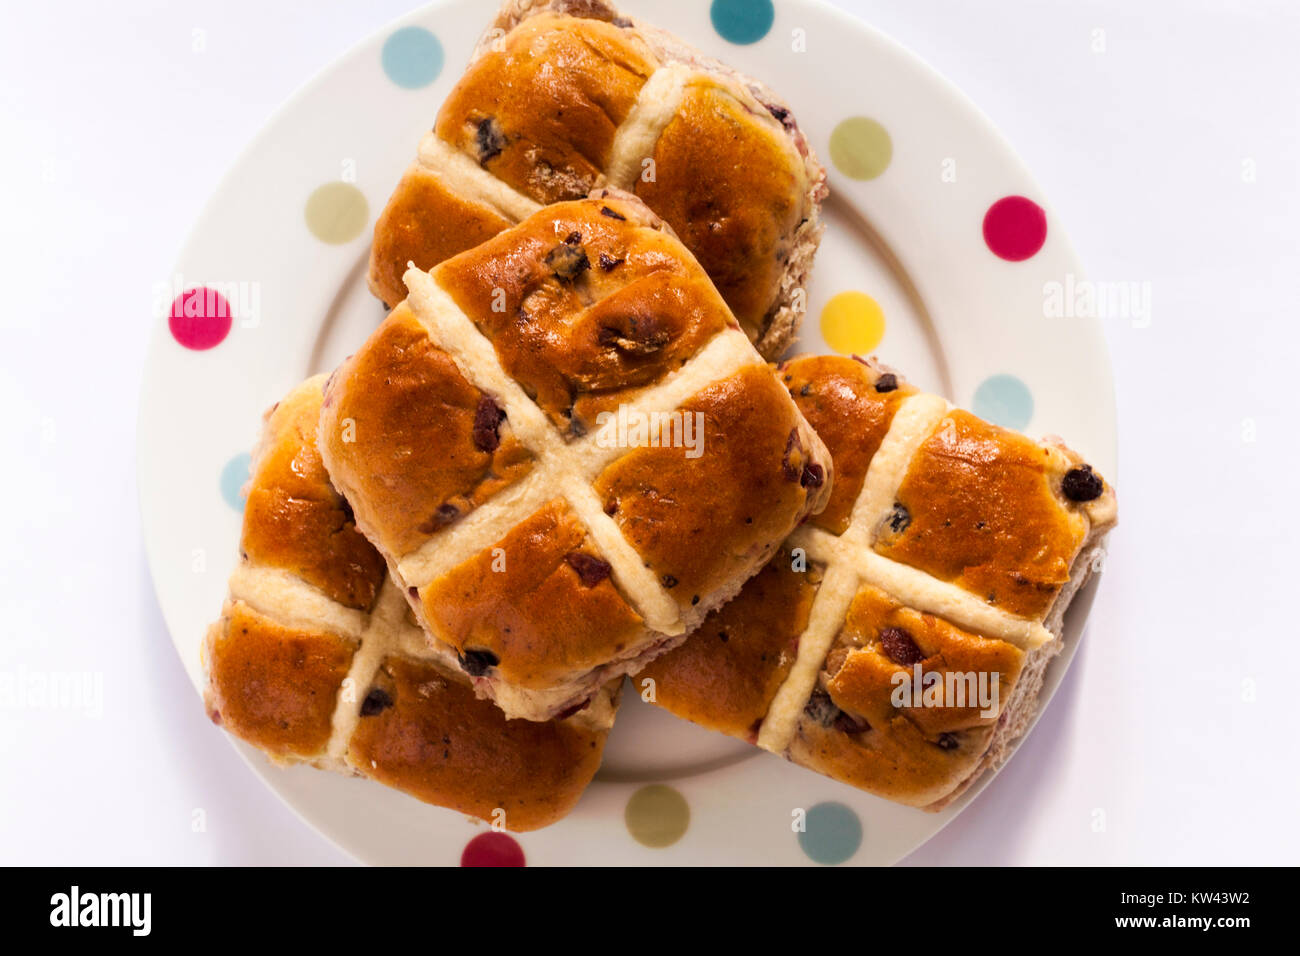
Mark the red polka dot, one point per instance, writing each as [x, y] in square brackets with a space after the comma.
[492, 849]
[200, 318]
[1015, 228]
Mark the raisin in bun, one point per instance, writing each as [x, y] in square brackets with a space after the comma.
[489, 435]
[950, 547]
[317, 659]
[565, 96]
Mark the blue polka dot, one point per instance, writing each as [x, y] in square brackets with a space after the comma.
[412, 57]
[1004, 400]
[833, 833]
[742, 21]
[233, 477]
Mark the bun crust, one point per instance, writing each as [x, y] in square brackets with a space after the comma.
[425, 221]
[725, 676]
[858, 736]
[540, 107]
[442, 744]
[919, 614]
[492, 436]
[406, 487]
[538, 618]
[568, 96]
[310, 610]
[986, 513]
[842, 404]
[294, 520]
[273, 684]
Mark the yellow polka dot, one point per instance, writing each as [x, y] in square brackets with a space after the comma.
[337, 213]
[657, 816]
[861, 148]
[853, 323]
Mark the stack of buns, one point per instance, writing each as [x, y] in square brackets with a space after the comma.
[452, 555]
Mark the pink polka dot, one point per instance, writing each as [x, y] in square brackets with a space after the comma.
[1015, 228]
[200, 318]
[492, 849]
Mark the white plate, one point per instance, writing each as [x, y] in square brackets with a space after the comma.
[956, 315]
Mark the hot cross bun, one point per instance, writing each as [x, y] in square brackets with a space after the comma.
[317, 658]
[565, 96]
[898, 640]
[496, 436]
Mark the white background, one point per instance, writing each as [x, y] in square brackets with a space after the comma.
[1174, 725]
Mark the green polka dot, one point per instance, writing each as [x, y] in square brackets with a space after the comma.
[412, 57]
[832, 834]
[861, 148]
[337, 213]
[1004, 400]
[742, 21]
[657, 816]
[233, 476]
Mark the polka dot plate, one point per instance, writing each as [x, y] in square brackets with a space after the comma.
[941, 256]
